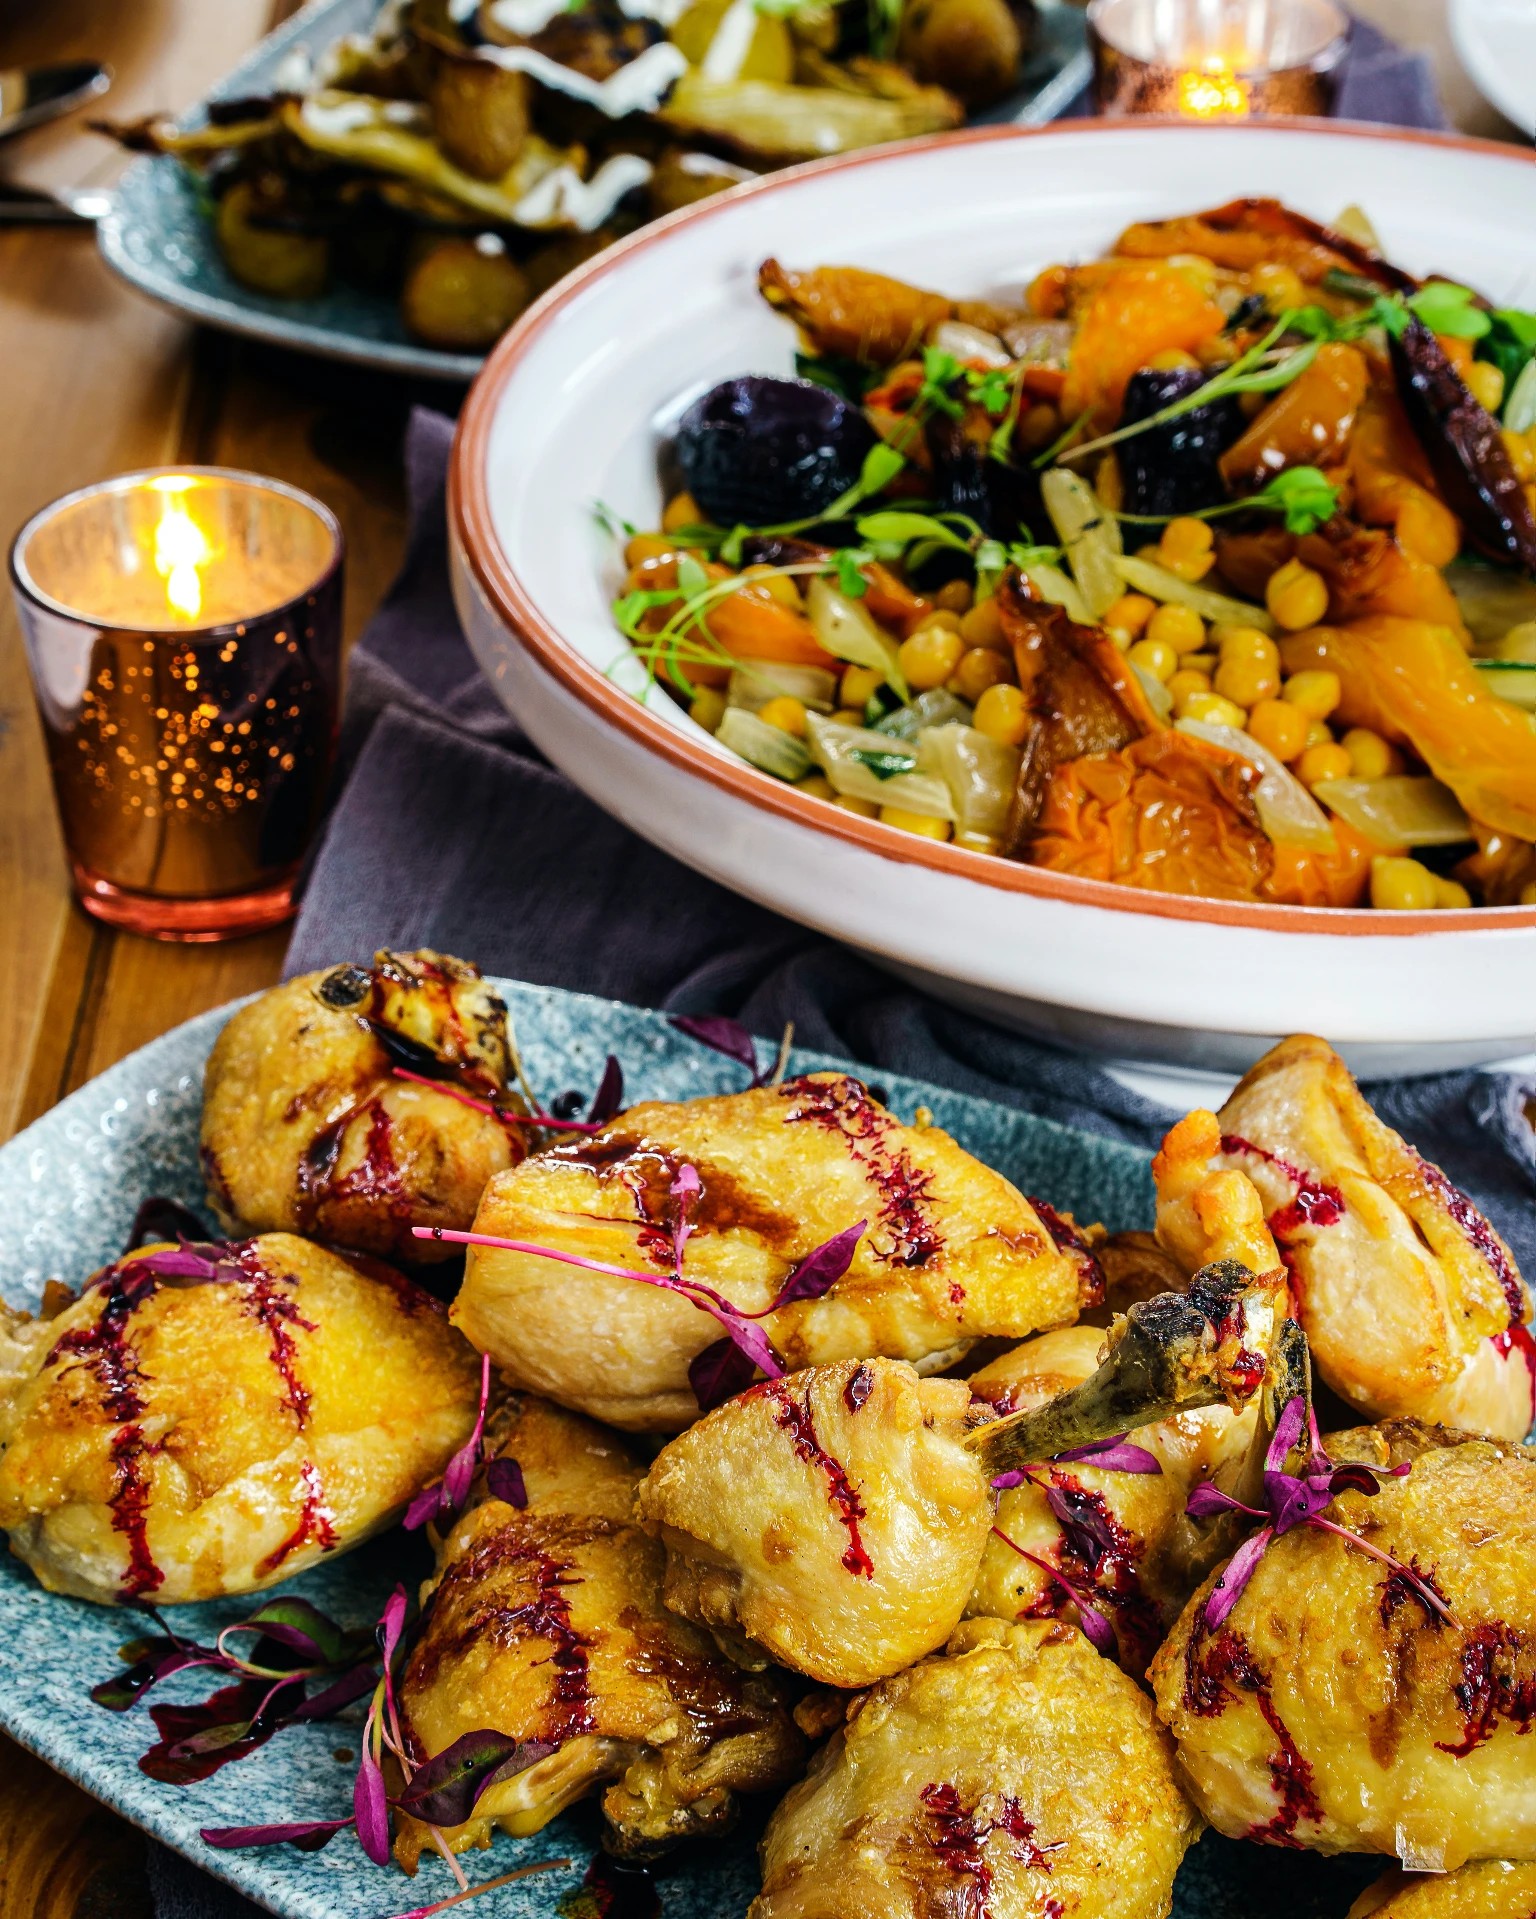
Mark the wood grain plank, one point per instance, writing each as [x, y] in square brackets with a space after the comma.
[63, 1856]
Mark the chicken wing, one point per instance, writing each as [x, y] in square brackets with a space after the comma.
[308, 1126]
[1411, 1302]
[1334, 1708]
[951, 1252]
[1120, 1538]
[1015, 1775]
[834, 1519]
[181, 1434]
[1492, 1889]
[547, 1623]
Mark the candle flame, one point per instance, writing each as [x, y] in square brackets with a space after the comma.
[181, 548]
[1215, 91]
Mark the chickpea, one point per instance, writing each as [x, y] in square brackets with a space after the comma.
[979, 668]
[922, 824]
[1451, 896]
[1172, 359]
[955, 596]
[786, 713]
[817, 785]
[1038, 426]
[1485, 382]
[1402, 885]
[931, 654]
[1002, 713]
[1130, 614]
[1156, 657]
[1281, 288]
[859, 685]
[1280, 727]
[1370, 756]
[1319, 763]
[865, 809]
[1213, 710]
[1249, 678]
[1521, 448]
[708, 708]
[848, 716]
[1180, 626]
[682, 510]
[773, 580]
[983, 626]
[1317, 691]
[1297, 596]
[1187, 681]
[1188, 548]
[648, 546]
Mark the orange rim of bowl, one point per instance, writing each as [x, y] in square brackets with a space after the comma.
[469, 512]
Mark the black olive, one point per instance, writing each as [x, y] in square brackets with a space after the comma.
[345, 986]
[757, 451]
[1175, 468]
[1003, 499]
[1466, 450]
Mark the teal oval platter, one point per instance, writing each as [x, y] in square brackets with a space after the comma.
[69, 1187]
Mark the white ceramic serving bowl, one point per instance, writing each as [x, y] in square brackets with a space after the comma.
[570, 410]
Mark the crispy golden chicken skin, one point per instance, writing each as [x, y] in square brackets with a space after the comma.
[1120, 1538]
[1018, 1774]
[182, 1437]
[833, 1518]
[1412, 1303]
[547, 1623]
[1333, 1709]
[951, 1253]
[1492, 1889]
[308, 1127]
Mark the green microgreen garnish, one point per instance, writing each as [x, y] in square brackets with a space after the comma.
[850, 562]
[884, 27]
[1058, 447]
[994, 557]
[1303, 496]
[991, 388]
[611, 522]
[881, 465]
[940, 371]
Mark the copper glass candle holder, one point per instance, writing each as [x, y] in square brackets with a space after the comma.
[184, 634]
[1217, 59]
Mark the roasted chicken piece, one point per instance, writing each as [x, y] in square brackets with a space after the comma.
[1120, 1538]
[546, 1623]
[1491, 1889]
[950, 1253]
[308, 1126]
[209, 1419]
[1411, 1302]
[834, 1519]
[1334, 1707]
[1017, 1774]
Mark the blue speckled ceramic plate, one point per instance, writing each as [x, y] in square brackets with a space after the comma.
[159, 238]
[69, 1187]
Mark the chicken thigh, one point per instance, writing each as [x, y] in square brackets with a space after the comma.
[1335, 1707]
[1491, 1889]
[950, 1252]
[1120, 1538]
[1411, 1302]
[1017, 1776]
[309, 1127]
[546, 1622]
[208, 1420]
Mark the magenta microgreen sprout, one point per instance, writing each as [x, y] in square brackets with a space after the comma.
[1299, 1499]
[1097, 1630]
[810, 1278]
[494, 1111]
[444, 1500]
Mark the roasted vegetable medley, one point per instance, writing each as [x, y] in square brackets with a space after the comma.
[470, 152]
[1207, 568]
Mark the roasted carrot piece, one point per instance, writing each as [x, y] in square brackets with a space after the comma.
[1138, 311]
[860, 315]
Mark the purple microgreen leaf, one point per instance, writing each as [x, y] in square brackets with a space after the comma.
[820, 1269]
[1235, 1575]
[447, 1497]
[684, 1190]
[1287, 1432]
[719, 1373]
[295, 1623]
[423, 1507]
[184, 1754]
[332, 1699]
[308, 1835]
[446, 1788]
[1206, 1501]
[1422, 1587]
[391, 1625]
[1097, 1629]
[721, 1035]
[157, 1659]
[1085, 1524]
[186, 1261]
[159, 1218]
[1113, 1455]
[504, 1480]
[1005, 1482]
[370, 1807]
[609, 1097]
[486, 1885]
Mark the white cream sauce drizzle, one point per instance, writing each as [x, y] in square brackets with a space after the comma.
[563, 199]
[638, 87]
[728, 50]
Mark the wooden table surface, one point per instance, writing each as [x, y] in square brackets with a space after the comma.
[94, 380]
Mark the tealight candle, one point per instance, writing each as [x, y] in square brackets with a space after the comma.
[1216, 59]
[183, 630]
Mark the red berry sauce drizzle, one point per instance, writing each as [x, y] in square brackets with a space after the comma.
[1516, 1338]
[1213, 1664]
[105, 1348]
[954, 1839]
[1110, 1558]
[1492, 1687]
[1068, 1239]
[276, 1311]
[844, 1106]
[1316, 1202]
[793, 1413]
[316, 1522]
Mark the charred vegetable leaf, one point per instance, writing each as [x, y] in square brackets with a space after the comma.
[1174, 468]
[1465, 448]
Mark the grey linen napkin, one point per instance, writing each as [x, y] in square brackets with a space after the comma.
[451, 831]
